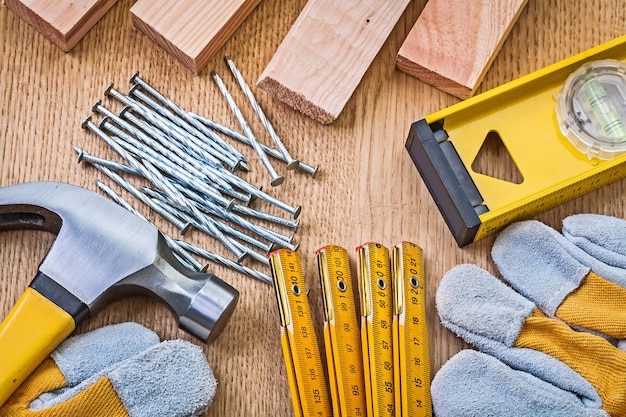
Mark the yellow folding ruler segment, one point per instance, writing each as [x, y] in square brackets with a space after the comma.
[410, 333]
[307, 381]
[375, 287]
[342, 334]
[445, 144]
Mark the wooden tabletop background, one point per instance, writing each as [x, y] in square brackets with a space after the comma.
[367, 189]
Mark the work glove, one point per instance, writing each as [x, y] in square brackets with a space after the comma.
[118, 370]
[549, 342]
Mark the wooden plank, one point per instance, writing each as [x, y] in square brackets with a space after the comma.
[191, 30]
[327, 51]
[452, 46]
[64, 22]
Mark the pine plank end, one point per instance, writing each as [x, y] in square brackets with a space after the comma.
[65, 22]
[296, 100]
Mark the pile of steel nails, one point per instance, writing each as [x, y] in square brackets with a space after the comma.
[192, 172]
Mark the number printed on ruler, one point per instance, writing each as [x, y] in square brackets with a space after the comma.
[342, 335]
[300, 346]
[411, 345]
[375, 286]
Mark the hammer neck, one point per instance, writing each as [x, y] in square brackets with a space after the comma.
[60, 296]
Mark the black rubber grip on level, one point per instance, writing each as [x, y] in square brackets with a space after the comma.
[54, 292]
[447, 179]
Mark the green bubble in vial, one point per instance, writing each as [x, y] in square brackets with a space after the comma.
[604, 116]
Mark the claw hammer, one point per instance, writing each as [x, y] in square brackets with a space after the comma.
[102, 252]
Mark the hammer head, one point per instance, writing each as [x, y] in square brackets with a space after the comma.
[103, 252]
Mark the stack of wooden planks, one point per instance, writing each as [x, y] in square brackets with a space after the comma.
[329, 48]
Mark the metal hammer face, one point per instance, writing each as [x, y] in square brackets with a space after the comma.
[102, 252]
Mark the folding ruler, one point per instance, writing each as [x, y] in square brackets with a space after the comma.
[445, 144]
[307, 380]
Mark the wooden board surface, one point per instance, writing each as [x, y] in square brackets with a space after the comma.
[452, 46]
[322, 59]
[367, 187]
[64, 22]
[191, 30]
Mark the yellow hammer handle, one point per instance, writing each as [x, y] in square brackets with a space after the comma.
[32, 330]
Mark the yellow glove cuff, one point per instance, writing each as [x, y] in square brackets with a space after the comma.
[97, 400]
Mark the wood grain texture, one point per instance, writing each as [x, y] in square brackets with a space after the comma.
[322, 59]
[367, 188]
[452, 46]
[64, 22]
[191, 30]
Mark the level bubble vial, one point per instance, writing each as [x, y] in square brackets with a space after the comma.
[591, 109]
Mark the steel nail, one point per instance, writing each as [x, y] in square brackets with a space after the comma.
[171, 153]
[183, 226]
[260, 194]
[244, 139]
[242, 236]
[171, 130]
[220, 212]
[179, 125]
[169, 109]
[88, 124]
[94, 160]
[266, 216]
[193, 178]
[224, 227]
[226, 262]
[204, 223]
[202, 169]
[162, 143]
[276, 179]
[308, 168]
[259, 230]
[291, 162]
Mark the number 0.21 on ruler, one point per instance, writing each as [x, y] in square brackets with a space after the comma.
[410, 333]
[375, 287]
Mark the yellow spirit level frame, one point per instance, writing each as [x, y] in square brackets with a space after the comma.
[445, 144]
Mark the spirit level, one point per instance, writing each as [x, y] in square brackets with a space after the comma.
[307, 381]
[342, 335]
[522, 113]
[410, 343]
[375, 287]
